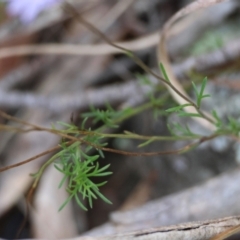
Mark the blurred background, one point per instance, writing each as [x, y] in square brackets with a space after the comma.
[58, 83]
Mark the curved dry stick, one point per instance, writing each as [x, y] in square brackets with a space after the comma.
[74, 49]
[164, 58]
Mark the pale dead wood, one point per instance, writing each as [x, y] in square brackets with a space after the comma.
[47, 221]
[216, 198]
[71, 49]
[194, 231]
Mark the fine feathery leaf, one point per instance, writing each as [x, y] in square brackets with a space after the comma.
[78, 167]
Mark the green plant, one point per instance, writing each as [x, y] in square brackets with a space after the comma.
[79, 168]
[81, 149]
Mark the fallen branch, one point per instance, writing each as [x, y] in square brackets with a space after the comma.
[202, 202]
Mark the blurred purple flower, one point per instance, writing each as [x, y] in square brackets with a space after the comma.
[28, 10]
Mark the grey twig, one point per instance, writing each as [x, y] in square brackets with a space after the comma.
[98, 97]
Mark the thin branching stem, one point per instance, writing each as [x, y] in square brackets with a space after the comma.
[136, 59]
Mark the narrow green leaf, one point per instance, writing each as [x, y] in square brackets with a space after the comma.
[173, 109]
[206, 95]
[90, 194]
[164, 72]
[101, 184]
[104, 168]
[195, 89]
[102, 197]
[146, 142]
[58, 168]
[65, 202]
[80, 203]
[178, 108]
[62, 181]
[101, 153]
[101, 174]
[185, 114]
[204, 83]
[90, 202]
[201, 95]
[83, 123]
